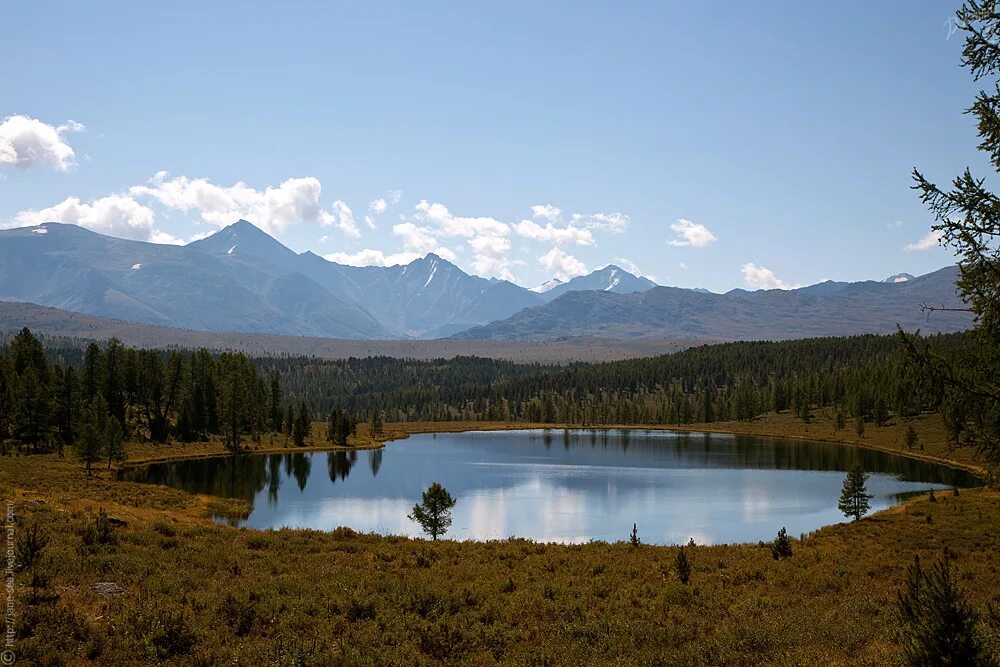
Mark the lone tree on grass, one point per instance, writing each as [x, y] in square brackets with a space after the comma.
[939, 626]
[782, 546]
[433, 513]
[854, 496]
[376, 423]
[683, 567]
[633, 537]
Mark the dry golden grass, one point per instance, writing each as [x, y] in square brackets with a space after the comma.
[199, 593]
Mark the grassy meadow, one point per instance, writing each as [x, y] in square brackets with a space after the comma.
[193, 592]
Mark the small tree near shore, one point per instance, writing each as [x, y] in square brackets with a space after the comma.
[433, 513]
[782, 546]
[854, 496]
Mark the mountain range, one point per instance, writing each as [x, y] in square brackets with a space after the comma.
[240, 279]
[825, 309]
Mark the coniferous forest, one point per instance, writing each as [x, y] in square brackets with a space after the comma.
[52, 393]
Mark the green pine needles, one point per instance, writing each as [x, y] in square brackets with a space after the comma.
[854, 496]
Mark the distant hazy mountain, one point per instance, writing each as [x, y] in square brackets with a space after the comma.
[68, 267]
[609, 279]
[242, 279]
[827, 309]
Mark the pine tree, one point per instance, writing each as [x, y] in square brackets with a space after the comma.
[113, 442]
[89, 443]
[911, 437]
[840, 422]
[939, 625]
[433, 513]
[782, 546]
[275, 413]
[376, 423]
[853, 496]
[967, 220]
[32, 410]
[683, 566]
[301, 427]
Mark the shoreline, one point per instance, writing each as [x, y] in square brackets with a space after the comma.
[141, 456]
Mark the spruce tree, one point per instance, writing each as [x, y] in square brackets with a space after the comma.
[275, 415]
[854, 496]
[113, 442]
[939, 625]
[89, 443]
[376, 423]
[301, 426]
[782, 546]
[683, 566]
[840, 422]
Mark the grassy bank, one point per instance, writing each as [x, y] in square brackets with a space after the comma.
[194, 592]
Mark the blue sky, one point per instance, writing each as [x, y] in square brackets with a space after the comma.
[707, 146]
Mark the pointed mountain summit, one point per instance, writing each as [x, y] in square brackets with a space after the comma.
[609, 279]
[244, 240]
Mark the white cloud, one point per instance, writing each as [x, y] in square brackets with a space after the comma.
[632, 267]
[562, 265]
[415, 238]
[895, 224]
[371, 257]
[343, 218]
[490, 258]
[117, 215]
[761, 277]
[683, 266]
[452, 225]
[611, 222]
[691, 234]
[552, 234]
[930, 240]
[272, 209]
[546, 211]
[487, 237]
[27, 142]
[370, 221]
[165, 238]
[383, 204]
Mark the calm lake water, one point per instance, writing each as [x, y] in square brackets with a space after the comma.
[562, 486]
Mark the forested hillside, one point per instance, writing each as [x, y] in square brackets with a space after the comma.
[48, 394]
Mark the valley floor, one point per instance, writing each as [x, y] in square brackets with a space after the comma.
[195, 592]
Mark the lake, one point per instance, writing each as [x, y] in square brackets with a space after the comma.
[562, 486]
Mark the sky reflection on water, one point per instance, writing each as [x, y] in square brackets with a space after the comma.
[562, 486]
